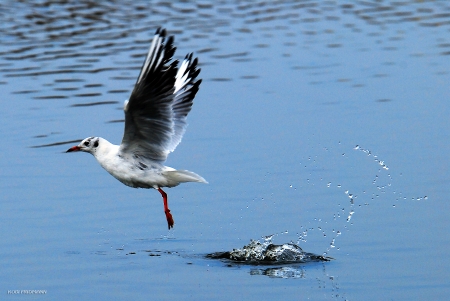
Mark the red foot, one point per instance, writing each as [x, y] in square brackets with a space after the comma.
[169, 219]
[166, 209]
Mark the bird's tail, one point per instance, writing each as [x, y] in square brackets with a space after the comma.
[181, 176]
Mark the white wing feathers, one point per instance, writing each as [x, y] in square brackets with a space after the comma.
[153, 55]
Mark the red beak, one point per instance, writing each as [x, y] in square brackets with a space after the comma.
[75, 148]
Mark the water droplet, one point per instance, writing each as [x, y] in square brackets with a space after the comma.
[350, 215]
[268, 237]
[329, 184]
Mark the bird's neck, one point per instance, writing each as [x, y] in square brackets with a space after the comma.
[105, 151]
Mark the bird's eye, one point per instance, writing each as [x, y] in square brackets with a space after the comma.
[86, 143]
[96, 143]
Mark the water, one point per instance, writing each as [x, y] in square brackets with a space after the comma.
[325, 120]
[266, 253]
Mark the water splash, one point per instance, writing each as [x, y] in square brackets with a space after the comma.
[265, 252]
[350, 214]
[369, 153]
[383, 165]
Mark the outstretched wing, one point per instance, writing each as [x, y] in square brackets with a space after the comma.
[155, 115]
[185, 90]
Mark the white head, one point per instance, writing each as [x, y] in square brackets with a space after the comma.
[88, 145]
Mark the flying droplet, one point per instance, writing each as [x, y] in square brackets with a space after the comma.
[350, 215]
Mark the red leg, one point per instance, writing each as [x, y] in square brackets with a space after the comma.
[166, 209]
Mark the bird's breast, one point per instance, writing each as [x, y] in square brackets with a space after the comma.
[135, 173]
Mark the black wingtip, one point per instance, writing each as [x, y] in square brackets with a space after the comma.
[196, 73]
[160, 31]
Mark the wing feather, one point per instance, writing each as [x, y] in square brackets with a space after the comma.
[155, 114]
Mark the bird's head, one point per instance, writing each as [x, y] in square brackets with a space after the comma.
[88, 145]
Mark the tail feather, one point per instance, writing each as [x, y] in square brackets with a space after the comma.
[181, 176]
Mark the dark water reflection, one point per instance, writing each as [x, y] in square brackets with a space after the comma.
[65, 43]
[290, 89]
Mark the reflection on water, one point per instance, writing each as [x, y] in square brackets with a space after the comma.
[89, 104]
[280, 272]
[61, 43]
[56, 143]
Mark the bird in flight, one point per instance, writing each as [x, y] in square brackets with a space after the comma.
[155, 121]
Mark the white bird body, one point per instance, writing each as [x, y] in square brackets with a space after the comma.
[155, 121]
[139, 172]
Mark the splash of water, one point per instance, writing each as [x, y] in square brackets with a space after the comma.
[265, 252]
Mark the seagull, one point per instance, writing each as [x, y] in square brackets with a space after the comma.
[155, 121]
